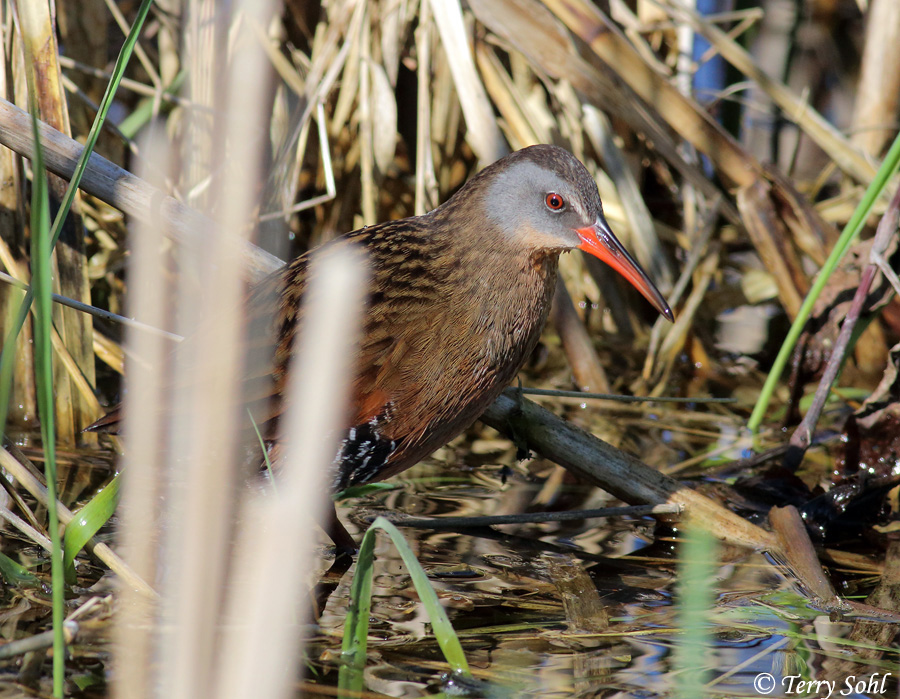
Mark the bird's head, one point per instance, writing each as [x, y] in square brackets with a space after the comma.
[543, 198]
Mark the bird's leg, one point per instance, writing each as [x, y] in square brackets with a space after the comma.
[515, 431]
[343, 559]
[337, 532]
[343, 541]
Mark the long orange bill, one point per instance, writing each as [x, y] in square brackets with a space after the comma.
[600, 242]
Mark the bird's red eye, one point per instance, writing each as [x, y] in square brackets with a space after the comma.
[554, 202]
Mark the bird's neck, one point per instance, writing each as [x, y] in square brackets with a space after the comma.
[505, 287]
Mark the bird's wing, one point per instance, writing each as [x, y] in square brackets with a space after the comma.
[274, 313]
[273, 309]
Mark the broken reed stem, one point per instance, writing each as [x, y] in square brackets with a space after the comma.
[888, 168]
[144, 432]
[802, 436]
[12, 466]
[616, 471]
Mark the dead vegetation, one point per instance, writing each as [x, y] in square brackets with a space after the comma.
[729, 172]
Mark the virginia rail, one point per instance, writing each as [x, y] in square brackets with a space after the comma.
[457, 301]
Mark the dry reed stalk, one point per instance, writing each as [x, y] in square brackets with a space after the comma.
[520, 128]
[770, 238]
[426, 182]
[109, 352]
[276, 548]
[231, 75]
[196, 129]
[65, 359]
[369, 203]
[878, 96]
[23, 402]
[353, 16]
[706, 226]
[23, 527]
[482, 131]
[384, 117]
[127, 84]
[446, 118]
[676, 338]
[43, 75]
[135, 628]
[328, 58]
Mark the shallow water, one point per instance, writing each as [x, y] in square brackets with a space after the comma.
[521, 633]
[576, 609]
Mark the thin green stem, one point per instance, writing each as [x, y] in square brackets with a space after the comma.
[97, 126]
[696, 597]
[888, 167]
[356, 625]
[265, 452]
[41, 283]
[7, 356]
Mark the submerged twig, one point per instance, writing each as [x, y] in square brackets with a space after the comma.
[620, 398]
[437, 523]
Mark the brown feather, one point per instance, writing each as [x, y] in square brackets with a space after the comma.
[457, 300]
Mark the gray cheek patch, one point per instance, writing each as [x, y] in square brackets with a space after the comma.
[520, 191]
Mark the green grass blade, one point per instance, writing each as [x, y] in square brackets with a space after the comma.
[87, 522]
[16, 575]
[112, 86]
[43, 302]
[146, 108]
[265, 452]
[356, 626]
[7, 357]
[696, 596]
[358, 491]
[887, 170]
